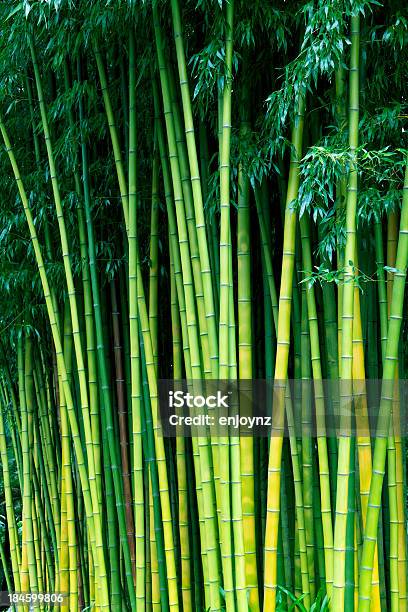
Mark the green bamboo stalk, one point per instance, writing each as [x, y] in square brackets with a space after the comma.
[151, 458]
[175, 258]
[89, 499]
[67, 471]
[245, 370]
[63, 236]
[178, 200]
[208, 496]
[306, 459]
[191, 226]
[392, 234]
[266, 252]
[49, 251]
[318, 526]
[173, 240]
[103, 374]
[123, 426]
[48, 545]
[380, 448]
[88, 311]
[37, 540]
[111, 118]
[236, 479]
[224, 318]
[225, 232]
[49, 451]
[393, 521]
[183, 513]
[155, 578]
[362, 426]
[196, 188]
[341, 194]
[138, 490]
[211, 216]
[282, 354]
[299, 501]
[9, 393]
[382, 292]
[351, 567]
[5, 568]
[285, 530]
[339, 557]
[324, 473]
[71, 290]
[11, 517]
[151, 373]
[332, 358]
[154, 253]
[29, 576]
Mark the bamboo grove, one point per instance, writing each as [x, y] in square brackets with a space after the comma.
[202, 191]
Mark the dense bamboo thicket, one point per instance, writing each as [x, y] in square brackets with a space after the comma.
[207, 190]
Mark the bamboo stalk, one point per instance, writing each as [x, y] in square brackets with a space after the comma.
[281, 367]
[339, 557]
[134, 335]
[380, 447]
